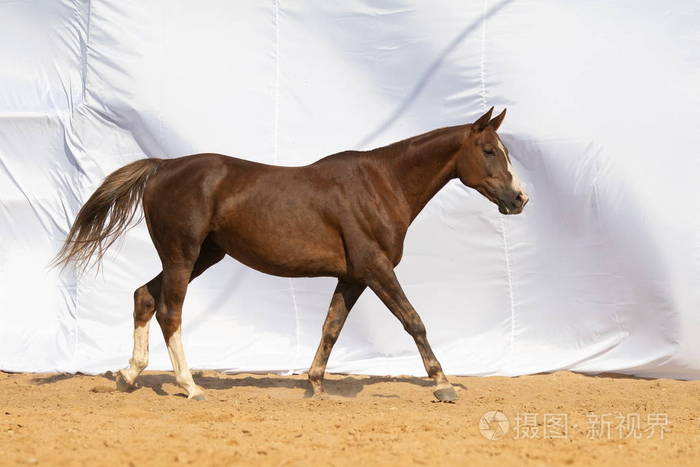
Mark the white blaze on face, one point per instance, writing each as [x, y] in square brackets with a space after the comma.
[515, 184]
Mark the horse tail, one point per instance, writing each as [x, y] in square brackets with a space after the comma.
[107, 214]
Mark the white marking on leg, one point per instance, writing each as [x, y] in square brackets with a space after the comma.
[182, 371]
[139, 357]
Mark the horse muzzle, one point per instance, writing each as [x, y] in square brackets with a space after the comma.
[513, 204]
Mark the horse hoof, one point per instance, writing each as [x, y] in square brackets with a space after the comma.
[446, 394]
[198, 397]
[122, 384]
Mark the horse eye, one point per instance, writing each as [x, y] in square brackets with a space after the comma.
[489, 152]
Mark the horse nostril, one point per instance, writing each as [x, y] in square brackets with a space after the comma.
[522, 198]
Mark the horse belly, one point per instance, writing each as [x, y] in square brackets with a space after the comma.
[284, 246]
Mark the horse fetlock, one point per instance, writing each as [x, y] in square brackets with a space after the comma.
[126, 381]
[138, 363]
[195, 393]
[318, 391]
[316, 381]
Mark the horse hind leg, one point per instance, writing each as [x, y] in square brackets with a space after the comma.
[146, 302]
[169, 312]
[144, 308]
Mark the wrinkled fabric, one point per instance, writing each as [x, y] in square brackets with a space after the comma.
[600, 273]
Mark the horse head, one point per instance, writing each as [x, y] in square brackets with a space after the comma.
[483, 164]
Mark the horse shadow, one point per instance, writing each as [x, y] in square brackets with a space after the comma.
[347, 386]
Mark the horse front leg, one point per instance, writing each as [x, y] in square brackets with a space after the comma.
[384, 283]
[345, 295]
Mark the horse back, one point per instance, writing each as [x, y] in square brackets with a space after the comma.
[287, 221]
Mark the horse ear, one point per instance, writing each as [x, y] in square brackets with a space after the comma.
[483, 121]
[497, 120]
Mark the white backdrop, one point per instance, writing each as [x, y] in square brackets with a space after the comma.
[600, 273]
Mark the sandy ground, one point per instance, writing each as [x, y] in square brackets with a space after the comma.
[551, 419]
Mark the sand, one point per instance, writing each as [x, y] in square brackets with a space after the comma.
[561, 418]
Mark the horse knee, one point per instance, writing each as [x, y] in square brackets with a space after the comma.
[143, 297]
[169, 322]
[162, 317]
[415, 328]
[328, 339]
[144, 304]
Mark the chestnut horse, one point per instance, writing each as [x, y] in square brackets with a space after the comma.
[344, 216]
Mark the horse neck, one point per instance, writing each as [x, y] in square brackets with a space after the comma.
[425, 164]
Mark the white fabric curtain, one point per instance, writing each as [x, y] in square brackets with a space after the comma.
[600, 273]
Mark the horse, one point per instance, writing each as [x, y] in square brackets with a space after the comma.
[343, 216]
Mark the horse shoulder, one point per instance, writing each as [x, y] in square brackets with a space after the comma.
[380, 217]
